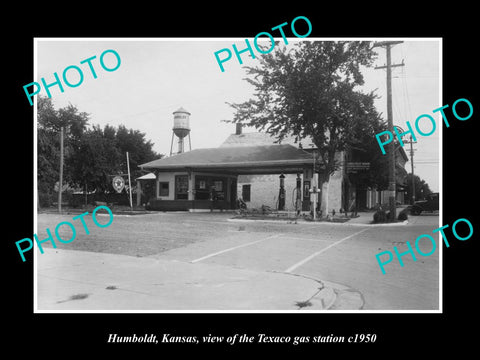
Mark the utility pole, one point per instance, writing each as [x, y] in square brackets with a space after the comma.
[129, 183]
[391, 145]
[314, 188]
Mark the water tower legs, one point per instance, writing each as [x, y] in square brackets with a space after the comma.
[171, 144]
[181, 147]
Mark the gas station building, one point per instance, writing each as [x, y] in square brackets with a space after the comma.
[253, 167]
[184, 181]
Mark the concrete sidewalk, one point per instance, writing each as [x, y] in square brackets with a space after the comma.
[69, 280]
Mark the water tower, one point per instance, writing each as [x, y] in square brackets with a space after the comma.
[181, 128]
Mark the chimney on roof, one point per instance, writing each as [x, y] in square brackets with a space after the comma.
[238, 129]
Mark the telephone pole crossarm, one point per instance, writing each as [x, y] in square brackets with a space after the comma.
[385, 43]
[391, 65]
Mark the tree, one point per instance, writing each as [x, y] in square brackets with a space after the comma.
[96, 159]
[102, 154]
[49, 122]
[312, 90]
[91, 155]
[421, 188]
[139, 149]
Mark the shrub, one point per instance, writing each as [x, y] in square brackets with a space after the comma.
[76, 200]
[403, 215]
[379, 216]
[45, 199]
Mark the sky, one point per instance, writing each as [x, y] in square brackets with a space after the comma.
[158, 76]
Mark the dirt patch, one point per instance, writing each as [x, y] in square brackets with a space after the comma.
[74, 297]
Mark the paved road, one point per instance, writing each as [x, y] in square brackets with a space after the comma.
[334, 253]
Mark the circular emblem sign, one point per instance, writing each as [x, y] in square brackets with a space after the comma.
[118, 183]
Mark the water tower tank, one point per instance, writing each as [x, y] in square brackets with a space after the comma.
[181, 128]
[181, 123]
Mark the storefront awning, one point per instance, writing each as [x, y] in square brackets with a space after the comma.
[149, 176]
[264, 159]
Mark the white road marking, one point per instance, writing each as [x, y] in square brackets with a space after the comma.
[233, 248]
[304, 239]
[300, 263]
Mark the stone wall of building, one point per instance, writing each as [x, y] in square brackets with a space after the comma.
[264, 190]
[334, 192]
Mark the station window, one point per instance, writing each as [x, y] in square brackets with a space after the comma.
[164, 189]
[246, 192]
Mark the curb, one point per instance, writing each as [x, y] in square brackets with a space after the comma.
[331, 297]
[405, 222]
[346, 223]
[323, 300]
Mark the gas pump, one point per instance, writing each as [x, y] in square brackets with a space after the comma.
[298, 200]
[314, 200]
[281, 194]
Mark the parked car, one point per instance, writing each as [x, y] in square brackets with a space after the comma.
[429, 204]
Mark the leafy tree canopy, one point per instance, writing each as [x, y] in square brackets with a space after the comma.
[91, 155]
[312, 89]
[422, 189]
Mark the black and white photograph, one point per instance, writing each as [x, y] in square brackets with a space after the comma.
[259, 186]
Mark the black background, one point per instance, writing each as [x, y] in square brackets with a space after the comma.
[62, 335]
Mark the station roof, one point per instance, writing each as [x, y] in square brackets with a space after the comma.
[239, 160]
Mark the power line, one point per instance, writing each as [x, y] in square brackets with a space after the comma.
[405, 86]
